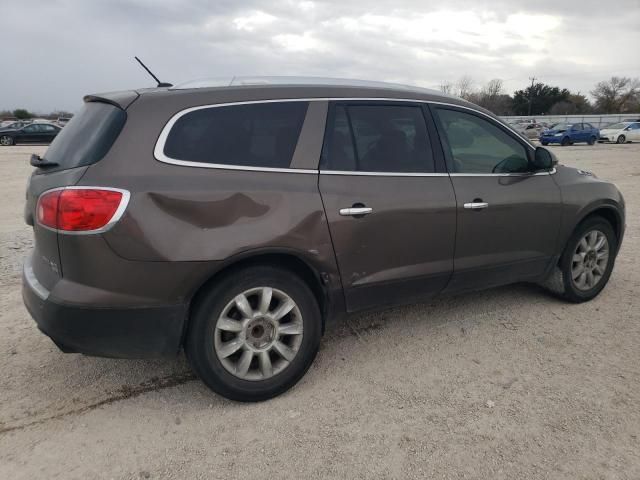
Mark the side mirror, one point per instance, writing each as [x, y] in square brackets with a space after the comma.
[543, 159]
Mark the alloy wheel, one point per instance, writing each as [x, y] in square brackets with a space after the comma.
[590, 259]
[258, 333]
[5, 140]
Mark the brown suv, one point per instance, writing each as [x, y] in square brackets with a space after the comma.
[235, 220]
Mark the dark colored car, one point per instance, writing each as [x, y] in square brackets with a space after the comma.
[235, 221]
[570, 133]
[32, 133]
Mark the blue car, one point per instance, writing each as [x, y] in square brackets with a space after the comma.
[570, 133]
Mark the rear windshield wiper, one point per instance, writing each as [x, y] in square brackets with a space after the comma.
[38, 161]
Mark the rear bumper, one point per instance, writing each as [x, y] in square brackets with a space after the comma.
[140, 332]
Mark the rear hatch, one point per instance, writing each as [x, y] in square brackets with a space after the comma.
[85, 140]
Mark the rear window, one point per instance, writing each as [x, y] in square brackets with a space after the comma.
[253, 135]
[87, 137]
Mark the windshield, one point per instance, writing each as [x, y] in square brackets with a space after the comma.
[616, 126]
[561, 126]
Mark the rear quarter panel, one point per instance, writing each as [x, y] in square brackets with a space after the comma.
[189, 214]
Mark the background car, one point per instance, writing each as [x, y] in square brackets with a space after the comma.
[34, 133]
[62, 121]
[570, 133]
[530, 130]
[15, 125]
[622, 132]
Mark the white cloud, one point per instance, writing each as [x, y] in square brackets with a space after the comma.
[253, 20]
[90, 45]
[298, 43]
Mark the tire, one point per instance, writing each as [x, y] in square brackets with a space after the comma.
[545, 143]
[592, 140]
[565, 142]
[569, 265]
[621, 139]
[210, 332]
[6, 140]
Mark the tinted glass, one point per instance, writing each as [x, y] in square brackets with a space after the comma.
[87, 137]
[339, 153]
[31, 129]
[634, 126]
[387, 139]
[255, 135]
[477, 146]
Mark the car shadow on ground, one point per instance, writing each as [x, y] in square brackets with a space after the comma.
[96, 382]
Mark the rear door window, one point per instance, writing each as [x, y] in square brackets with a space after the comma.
[378, 138]
[253, 135]
[87, 137]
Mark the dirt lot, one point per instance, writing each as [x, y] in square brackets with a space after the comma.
[504, 384]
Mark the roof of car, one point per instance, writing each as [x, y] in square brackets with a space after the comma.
[256, 89]
[237, 81]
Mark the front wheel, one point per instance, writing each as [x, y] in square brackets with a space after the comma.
[592, 140]
[544, 143]
[565, 142]
[6, 140]
[621, 139]
[254, 334]
[588, 259]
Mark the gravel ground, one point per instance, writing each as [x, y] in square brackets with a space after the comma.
[508, 383]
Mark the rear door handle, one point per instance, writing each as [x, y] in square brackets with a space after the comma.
[476, 205]
[355, 211]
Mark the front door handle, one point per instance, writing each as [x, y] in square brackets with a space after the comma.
[476, 205]
[355, 211]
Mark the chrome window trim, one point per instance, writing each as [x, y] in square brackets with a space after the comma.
[525, 174]
[158, 151]
[126, 195]
[382, 174]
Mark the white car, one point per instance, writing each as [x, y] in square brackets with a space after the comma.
[622, 132]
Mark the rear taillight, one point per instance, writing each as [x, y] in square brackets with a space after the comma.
[75, 209]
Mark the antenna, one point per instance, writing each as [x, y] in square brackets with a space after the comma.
[160, 84]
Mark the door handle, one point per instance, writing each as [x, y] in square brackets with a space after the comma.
[355, 211]
[476, 205]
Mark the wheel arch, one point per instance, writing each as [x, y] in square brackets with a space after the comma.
[11, 136]
[609, 211]
[287, 259]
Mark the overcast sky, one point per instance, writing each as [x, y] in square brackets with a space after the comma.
[59, 50]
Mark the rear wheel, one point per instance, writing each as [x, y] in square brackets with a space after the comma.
[621, 139]
[6, 140]
[588, 259]
[254, 334]
[592, 140]
[565, 142]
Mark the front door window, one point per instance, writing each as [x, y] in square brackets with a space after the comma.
[478, 146]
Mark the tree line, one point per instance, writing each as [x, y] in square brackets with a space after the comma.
[616, 95]
[24, 114]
